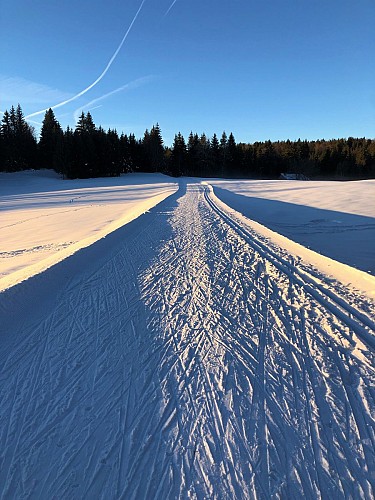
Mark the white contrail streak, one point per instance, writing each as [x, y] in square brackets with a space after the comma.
[77, 112]
[99, 77]
[128, 86]
[170, 8]
[34, 122]
[31, 121]
[134, 84]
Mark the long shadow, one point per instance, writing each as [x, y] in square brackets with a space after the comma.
[29, 300]
[344, 237]
[63, 198]
[79, 332]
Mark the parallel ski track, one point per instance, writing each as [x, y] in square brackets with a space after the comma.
[270, 397]
[188, 363]
[354, 319]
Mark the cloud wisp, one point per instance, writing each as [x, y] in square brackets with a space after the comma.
[134, 84]
[15, 90]
[100, 77]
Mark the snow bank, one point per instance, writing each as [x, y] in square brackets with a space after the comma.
[45, 219]
[247, 210]
[336, 219]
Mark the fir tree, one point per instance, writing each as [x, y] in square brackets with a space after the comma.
[223, 153]
[215, 155]
[178, 156]
[192, 159]
[85, 156]
[51, 143]
[18, 140]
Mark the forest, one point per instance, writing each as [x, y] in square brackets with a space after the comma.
[90, 151]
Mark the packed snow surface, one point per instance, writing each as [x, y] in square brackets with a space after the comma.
[336, 219]
[186, 355]
[45, 219]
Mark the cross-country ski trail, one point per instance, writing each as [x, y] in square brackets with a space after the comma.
[184, 357]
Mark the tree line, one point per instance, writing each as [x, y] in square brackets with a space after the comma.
[90, 151]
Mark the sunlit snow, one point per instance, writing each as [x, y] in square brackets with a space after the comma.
[190, 353]
[45, 219]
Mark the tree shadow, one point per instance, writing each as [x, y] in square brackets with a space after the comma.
[344, 237]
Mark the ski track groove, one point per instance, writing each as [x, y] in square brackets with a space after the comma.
[196, 362]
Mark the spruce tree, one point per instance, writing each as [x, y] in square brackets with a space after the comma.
[192, 160]
[232, 157]
[156, 149]
[85, 156]
[51, 143]
[214, 155]
[7, 140]
[178, 156]
[18, 140]
[223, 153]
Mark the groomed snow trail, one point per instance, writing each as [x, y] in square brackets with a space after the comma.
[190, 360]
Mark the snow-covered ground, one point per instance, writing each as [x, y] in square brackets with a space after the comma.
[186, 355]
[45, 219]
[336, 219]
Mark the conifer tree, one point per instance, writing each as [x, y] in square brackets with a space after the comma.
[51, 143]
[156, 149]
[215, 155]
[7, 140]
[178, 156]
[223, 153]
[153, 150]
[125, 160]
[192, 159]
[19, 141]
[232, 154]
[85, 156]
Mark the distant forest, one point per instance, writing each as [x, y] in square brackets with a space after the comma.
[90, 151]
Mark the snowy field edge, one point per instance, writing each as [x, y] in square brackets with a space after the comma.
[144, 191]
[349, 276]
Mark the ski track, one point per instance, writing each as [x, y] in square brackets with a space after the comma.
[195, 363]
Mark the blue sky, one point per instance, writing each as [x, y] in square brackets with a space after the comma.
[273, 69]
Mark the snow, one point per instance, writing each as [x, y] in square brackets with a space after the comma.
[45, 219]
[336, 219]
[185, 355]
[362, 282]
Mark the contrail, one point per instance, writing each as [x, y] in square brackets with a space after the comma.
[78, 111]
[170, 8]
[134, 84]
[99, 77]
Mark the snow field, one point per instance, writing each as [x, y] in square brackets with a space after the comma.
[45, 219]
[185, 356]
[335, 219]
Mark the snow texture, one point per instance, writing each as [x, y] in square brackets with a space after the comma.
[45, 219]
[186, 356]
[336, 219]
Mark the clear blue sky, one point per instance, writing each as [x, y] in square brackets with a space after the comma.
[266, 69]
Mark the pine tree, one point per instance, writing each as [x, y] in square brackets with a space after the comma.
[68, 154]
[85, 156]
[192, 159]
[156, 149]
[223, 153]
[204, 151]
[125, 159]
[215, 155]
[232, 154]
[51, 143]
[153, 150]
[19, 141]
[178, 156]
[7, 141]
